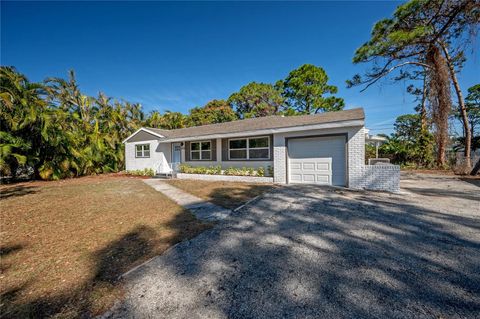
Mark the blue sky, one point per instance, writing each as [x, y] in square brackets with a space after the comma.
[177, 55]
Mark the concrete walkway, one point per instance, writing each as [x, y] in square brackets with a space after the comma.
[201, 208]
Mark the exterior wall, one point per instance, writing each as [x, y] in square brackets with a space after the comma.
[224, 164]
[205, 177]
[356, 157]
[159, 153]
[380, 177]
[355, 151]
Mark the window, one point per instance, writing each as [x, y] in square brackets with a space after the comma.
[252, 148]
[142, 150]
[200, 151]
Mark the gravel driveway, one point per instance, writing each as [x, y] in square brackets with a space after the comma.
[317, 252]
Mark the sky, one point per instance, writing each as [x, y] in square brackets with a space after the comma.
[178, 55]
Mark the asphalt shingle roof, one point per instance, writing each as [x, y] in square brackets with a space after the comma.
[262, 123]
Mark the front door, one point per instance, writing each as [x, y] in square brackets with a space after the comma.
[176, 155]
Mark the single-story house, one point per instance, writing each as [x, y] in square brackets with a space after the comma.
[326, 148]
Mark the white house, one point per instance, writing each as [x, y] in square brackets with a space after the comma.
[327, 148]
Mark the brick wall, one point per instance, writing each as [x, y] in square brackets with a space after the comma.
[356, 156]
[380, 177]
[279, 160]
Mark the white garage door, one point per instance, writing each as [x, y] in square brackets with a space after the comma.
[317, 160]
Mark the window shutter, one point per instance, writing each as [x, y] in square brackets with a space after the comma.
[213, 147]
[270, 137]
[224, 149]
[187, 151]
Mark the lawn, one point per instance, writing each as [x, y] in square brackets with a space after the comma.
[227, 194]
[64, 244]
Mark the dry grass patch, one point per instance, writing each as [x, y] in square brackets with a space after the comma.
[226, 194]
[64, 244]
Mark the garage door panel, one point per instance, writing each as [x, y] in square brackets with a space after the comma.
[319, 160]
[308, 166]
[309, 178]
[296, 177]
[294, 166]
[323, 166]
[323, 179]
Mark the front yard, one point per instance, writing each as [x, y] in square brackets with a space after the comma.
[227, 194]
[64, 244]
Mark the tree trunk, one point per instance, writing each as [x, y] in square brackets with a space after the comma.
[439, 96]
[441, 158]
[461, 105]
[423, 110]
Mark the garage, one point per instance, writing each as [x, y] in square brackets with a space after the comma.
[317, 160]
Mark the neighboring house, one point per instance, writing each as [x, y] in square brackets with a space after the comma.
[327, 148]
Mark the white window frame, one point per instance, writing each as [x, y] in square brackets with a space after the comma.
[200, 158]
[142, 150]
[248, 148]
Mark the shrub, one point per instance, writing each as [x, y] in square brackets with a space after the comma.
[142, 172]
[217, 170]
[211, 170]
[184, 168]
[261, 171]
[231, 171]
[270, 170]
[214, 170]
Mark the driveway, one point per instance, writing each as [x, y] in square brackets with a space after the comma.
[319, 252]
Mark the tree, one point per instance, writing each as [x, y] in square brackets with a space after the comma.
[56, 131]
[420, 35]
[416, 141]
[215, 111]
[409, 144]
[257, 100]
[472, 105]
[22, 119]
[408, 127]
[154, 120]
[173, 120]
[304, 90]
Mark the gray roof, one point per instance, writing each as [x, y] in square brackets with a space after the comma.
[262, 123]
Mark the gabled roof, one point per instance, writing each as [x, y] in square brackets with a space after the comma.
[259, 124]
[155, 132]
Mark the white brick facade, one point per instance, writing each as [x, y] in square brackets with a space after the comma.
[356, 156]
[380, 177]
[355, 151]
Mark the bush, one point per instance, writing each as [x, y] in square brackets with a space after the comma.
[217, 170]
[142, 172]
[214, 170]
[270, 170]
[261, 171]
[211, 170]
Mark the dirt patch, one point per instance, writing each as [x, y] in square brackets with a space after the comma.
[227, 194]
[429, 171]
[64, 243]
